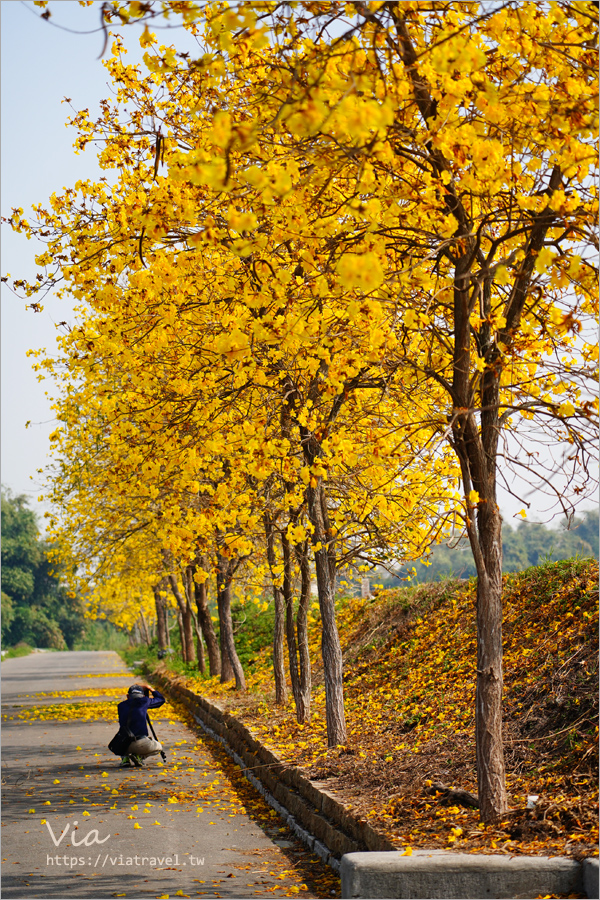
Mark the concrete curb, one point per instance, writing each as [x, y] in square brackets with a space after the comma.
[317, 817]
[591, 887]
[430, 873]
[340, 838]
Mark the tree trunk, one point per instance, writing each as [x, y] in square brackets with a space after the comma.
[188, 649]
[188, 629]
[303, 705]
[330, 642]
[188, 581]
[477, 450]
[488, 711]
[485, 538]
[210, 638]
[181, 635]
[228, 651]
[278, 629]
[145, 630]
[290, 631]
[161, 625]
[199, 643]
[199, 647]
[227, 673]
[478, 466]
[167, 627]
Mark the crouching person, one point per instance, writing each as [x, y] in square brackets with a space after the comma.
[133, 714]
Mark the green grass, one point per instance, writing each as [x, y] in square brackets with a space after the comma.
[21, 649]
[143, 659]
[101, 635]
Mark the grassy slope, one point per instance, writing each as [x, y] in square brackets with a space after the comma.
[409, 685]
[21, 649]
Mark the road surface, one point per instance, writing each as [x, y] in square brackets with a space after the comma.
[75, 825]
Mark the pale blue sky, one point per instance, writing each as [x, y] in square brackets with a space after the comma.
[42, 64]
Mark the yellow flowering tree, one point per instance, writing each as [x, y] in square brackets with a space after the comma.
[364, 229]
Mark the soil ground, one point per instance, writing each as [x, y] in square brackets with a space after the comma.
[409, 660]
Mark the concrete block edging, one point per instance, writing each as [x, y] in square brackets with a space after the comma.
[340, 839]
[309, 812]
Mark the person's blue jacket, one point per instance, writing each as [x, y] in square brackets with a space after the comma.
[138, 706]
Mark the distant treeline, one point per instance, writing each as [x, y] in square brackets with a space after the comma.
[36, 608]
[529, 544]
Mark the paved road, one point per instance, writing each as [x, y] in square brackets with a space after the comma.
[194, 827]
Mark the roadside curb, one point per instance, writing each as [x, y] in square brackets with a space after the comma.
[463, 876]
[317, 817]
[340, 838]
[590, 878]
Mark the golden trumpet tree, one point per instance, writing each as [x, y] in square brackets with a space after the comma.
[162, 430]
[240, 365]
[378, 218]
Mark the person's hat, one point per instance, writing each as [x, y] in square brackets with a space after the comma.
[136, 690]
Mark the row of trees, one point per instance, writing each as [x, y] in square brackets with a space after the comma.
[341, 260]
